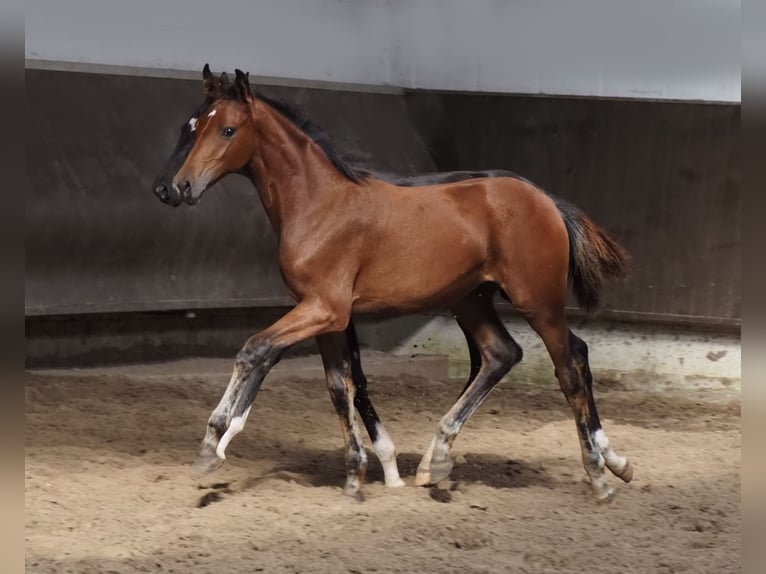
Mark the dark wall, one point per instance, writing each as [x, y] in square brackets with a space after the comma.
[98, 240]
[663, 177]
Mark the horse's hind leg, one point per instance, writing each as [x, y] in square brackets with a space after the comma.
[618, 465]
[336, 359]
[381, 442]
[499, 353]
[475, 356]
[570, 358]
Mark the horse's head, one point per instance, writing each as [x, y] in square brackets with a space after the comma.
[219, 141]
[163, 185]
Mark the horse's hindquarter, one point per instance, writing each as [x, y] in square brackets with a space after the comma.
[424, 247]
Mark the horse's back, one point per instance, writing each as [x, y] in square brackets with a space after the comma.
[446, 239]
[445, 177]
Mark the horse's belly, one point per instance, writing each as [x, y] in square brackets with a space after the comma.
[430, 254]
[431, 285]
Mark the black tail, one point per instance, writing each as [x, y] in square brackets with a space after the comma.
[594, 256]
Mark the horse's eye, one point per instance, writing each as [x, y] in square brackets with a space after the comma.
[228, 132]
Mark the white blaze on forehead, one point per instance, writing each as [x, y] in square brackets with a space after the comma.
[193, 124]
[211, 114]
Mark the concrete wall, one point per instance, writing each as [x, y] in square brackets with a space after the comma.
[99, 241]
[685, 49]
[663, 177]
[629, 355]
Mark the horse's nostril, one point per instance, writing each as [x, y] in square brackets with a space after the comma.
[161, 191]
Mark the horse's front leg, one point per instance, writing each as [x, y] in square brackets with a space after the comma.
[256, 358]
[337, 363]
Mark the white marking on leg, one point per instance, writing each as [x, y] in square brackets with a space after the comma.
[594, 467]
[425, 462]
[423, 474]
[352, 484]
[193, 124]
[613, 460]
[227, 402]
[445, 434]
[602, 441]
[600, 487]
[386, 452]
[235, 426]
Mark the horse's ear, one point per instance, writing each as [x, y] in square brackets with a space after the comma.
[213, 85]
[242, 85]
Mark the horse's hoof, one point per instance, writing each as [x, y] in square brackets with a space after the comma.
[422, 478]
[395, 483]
[606, 498]
[626, 474]
[441, 469]
[437, 471]
[354, 492]
[207, 460]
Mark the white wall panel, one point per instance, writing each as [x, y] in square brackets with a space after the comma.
[665, 49]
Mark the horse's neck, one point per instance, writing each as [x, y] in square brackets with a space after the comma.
[288, 168]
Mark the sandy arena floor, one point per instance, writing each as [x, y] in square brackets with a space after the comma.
[109, 488]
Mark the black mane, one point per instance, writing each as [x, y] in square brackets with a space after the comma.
[318, 135]
[355, 174]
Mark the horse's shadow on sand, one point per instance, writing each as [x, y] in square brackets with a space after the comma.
[326, 469]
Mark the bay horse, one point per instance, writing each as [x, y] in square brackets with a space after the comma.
[351, 243]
